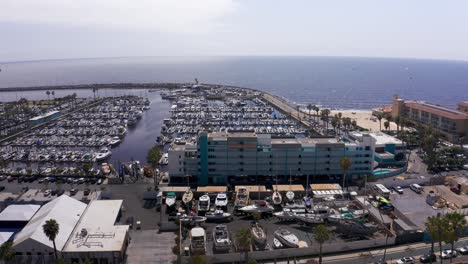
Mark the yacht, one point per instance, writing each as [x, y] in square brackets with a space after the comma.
[103, 154]
[221, 200]
[204, 204]
[198, 241]
[258, 207]
[221, 238]
[188, 219]
[114, 141]
[290, 195]
[309, 218]
[286, 238]
[289, 214]
[217, 215]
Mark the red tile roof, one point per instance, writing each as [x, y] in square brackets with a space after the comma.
[437, 110]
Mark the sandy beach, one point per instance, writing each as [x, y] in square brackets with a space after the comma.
[363, 119]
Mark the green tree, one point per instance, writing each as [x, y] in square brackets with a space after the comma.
[153, 157]
[197, 259]
[244, 240]
[345, 165]
[457, 223]
[379, 117]
[7, 253]
[317, 110]
[325, 113]
[310, 107]
[437, 227]
[386, 125]
[321, 235]
[51, 229]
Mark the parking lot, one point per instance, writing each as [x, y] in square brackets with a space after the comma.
[413, 206]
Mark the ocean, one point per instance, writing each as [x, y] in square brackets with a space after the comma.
[336, 82]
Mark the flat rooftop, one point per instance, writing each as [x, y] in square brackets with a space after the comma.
[382, 138]
[19, 212]
[95, 231]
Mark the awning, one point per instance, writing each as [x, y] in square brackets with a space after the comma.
[292, 187]
[212, 189]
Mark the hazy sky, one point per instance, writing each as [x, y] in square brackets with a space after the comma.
[53, 29]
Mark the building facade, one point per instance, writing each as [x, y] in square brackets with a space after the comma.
[451, 123]
[219, 158]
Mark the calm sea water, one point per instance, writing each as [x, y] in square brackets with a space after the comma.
[335, 82]
[358, 83]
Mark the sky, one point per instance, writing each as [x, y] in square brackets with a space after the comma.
[57, 29]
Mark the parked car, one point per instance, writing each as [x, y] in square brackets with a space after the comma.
[53, 192]
[428, 258]
[73, 192]
[86, 192]
[10, 178]
[60, 192]
[47, 193]
[398, 189]
[3, 177]
[40, 180]
[25, 189]
[416, 188]
[99, 182]
[138, 225]
[448, 254]
[463, 250]
[2, 188]
[405, 260]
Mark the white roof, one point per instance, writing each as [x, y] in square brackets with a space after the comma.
[65, 210]
[5, 236]
[101, 234]
[382, 138]
[19, 212]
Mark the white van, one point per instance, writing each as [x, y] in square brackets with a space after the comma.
[416, 188]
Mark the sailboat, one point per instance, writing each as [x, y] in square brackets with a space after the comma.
[276, 197]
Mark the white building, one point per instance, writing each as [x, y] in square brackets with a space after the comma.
[31, 241]
[96, 237]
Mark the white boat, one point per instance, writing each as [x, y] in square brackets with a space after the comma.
[286, 238]
[276, 197]
[296, 204]
[309, 218]
[290, 195]
[114, 141]
[204, 203]
[217, 215]
[242, 197]
[277, 244]
[187, 219]
[198, 241]
[289, 214]
[170, 199]
[258, 234]
[320, 210]
[221, 200]
[221, 238]
[103, 154]
[257, 207]
[187, 197]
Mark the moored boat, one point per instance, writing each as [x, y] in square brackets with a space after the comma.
[258, 234]
[221, 238]
[203, 203]
[276, 197]
[217, 215]
[187, 197]
[286, 238]
[221, 200]
[258, 207]
[309, 218]
[197, 241]
[290, 195]
[103, 154]
[242, 197]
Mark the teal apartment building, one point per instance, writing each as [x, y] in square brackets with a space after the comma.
[219, 158]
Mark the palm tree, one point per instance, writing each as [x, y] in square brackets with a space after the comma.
[321, 235]
[317, 110]
[345, 164]
[397, 122]
[48, 95]
[379, 117]
[457, 222]
[310, 107]
[386, 124]
[325, 113]
[7, 253]
[437, 227]
[53, 94]
[51, 230]
[244, 240]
